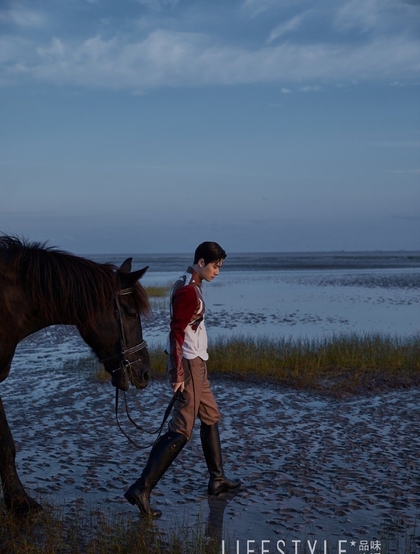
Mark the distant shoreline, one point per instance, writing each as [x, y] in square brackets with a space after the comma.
[263, 261]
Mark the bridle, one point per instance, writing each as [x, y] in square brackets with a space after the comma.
[124, 364]
[125, 367]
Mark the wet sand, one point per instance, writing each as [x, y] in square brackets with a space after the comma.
[313, 468]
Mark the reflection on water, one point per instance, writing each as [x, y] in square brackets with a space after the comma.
[214, 524]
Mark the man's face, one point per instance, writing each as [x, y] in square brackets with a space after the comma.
[211, 270]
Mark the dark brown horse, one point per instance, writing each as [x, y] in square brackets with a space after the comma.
[42, 286]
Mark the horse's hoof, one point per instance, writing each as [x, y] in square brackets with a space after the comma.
[24, 507]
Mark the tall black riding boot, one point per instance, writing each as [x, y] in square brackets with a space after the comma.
[161, 456]
[210, 441]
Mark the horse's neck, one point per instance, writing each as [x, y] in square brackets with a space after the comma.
[37, 325]
[37, 320]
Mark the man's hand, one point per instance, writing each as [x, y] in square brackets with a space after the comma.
[178, 386]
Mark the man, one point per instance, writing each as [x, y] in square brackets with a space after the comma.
[187, 348]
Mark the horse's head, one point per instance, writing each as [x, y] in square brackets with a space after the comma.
[124, 355]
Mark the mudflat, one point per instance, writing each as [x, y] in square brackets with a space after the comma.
[313, 468]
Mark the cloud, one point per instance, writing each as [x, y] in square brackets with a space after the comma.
[376, 15]
[362, 14]
[287, 27]
[24, 17]
[310, 88]
[157, 5]
[129, 56]
[260, 7]
[167, 58]
[405, 83]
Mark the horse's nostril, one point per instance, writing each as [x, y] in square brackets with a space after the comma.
[146, 376]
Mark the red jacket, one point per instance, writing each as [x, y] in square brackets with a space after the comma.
[188, 336]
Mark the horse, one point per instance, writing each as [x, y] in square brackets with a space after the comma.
[41, 286]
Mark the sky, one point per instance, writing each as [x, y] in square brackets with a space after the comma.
[149, 126]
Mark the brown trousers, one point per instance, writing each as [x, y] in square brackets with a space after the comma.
[198, 399]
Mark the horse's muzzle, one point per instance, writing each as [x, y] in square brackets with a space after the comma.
[137, 373]
[140, 381]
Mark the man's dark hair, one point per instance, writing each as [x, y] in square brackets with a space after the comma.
[210, 252]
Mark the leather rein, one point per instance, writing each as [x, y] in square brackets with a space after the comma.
[125, 366]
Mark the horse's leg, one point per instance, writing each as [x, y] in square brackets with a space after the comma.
[15, 496]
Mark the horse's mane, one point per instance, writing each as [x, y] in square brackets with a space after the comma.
[60, 282]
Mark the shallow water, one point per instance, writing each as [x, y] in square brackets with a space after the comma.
[305, 304]
[296, 294]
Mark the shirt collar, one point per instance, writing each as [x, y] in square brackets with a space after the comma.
[196, 277]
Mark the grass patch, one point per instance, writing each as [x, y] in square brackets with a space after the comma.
[342, 364]
[158, 291]
[336, 365]
[88, 367]
[54, 532]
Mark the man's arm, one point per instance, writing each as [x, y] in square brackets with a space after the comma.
[184, 305]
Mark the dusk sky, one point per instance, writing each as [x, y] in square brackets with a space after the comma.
[267, 125]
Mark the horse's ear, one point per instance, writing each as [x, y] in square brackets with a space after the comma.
[128, 280]
[136, 275]
[126, 266]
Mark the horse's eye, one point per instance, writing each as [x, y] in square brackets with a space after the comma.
[132, 315]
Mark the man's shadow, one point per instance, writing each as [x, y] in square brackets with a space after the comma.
[217, 506]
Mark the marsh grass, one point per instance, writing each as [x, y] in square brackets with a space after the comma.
[55, 532]
[158, 291]
[52, 532]
[341, 364]
[395, 540]
[335, 365]
[88, 367]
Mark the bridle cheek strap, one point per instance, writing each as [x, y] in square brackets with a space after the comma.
[124, 363]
